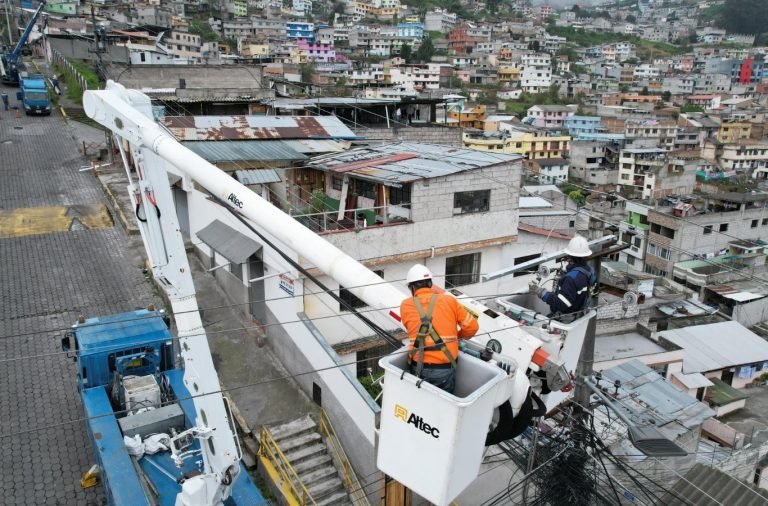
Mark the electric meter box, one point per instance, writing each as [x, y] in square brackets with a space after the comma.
[429, 440]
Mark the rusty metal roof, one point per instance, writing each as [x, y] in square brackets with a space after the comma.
[220, 128]
[399, 163]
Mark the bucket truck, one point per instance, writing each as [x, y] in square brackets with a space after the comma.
[11, 62]
[503, 365]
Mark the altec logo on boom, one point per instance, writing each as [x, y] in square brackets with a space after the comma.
[417, 421]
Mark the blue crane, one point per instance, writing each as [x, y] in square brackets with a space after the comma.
[12, 61]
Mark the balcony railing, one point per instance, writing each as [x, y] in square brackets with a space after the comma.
[356, 219]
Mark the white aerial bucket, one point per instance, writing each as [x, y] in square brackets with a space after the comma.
[431, 441]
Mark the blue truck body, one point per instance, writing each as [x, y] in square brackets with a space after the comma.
[130, 344]
[33, 95]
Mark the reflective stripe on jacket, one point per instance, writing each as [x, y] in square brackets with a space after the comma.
[572, 294]
[449, 319]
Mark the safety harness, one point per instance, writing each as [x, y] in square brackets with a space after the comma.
[425, 329]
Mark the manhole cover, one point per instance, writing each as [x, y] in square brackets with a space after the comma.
[18, 128]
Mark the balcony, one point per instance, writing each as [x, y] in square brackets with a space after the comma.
[356, 219]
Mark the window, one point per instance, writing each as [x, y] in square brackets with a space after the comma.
[336, 183]
[350, 299]
[400, 196]
[754, 223]
[765, 221]
[707, 229]
[723, 227]
[143, 57]
[365, 189]
[462, 270]
[471, 202]
[520, 260]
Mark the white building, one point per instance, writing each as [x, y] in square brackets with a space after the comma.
[439, 21]
[536, 76]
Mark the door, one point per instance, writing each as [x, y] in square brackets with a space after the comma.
[256, 302]
[727, 377]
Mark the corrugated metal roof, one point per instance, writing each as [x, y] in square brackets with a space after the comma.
[257, 176]
[233, 151]
[708, 486]
[406, 162]
[717, 345]
[317, 146]
[233, 245]
[694, 380]
[526, 202]
[218, 128]
[644, 392]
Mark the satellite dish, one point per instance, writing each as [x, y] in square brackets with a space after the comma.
[630, 299]
[543, 271]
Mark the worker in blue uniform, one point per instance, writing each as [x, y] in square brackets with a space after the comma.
[572, 292]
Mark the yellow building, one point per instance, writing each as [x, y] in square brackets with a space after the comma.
[467, 117]
[509, 74]
[254, 50]
[734, 132]
[532, 146]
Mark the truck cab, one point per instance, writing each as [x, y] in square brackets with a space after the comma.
[33, 94]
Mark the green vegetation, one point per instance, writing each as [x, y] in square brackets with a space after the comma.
[426, 50]
[74, 90]
[743, 16]
[691, 108]
[578, 197]
[526, 101]
[368, 383]
[645, 48]
[204, 30]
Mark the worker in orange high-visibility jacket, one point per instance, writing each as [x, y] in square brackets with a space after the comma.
[435, 322]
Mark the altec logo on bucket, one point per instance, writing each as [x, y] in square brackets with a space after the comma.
[416, 421]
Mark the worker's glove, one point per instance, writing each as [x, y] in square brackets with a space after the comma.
[540, 291]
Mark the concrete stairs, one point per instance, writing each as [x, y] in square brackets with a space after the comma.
[78, 114]
[304, 448]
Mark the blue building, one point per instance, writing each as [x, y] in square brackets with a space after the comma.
[410, 30]
[580, 125]
[300, 30]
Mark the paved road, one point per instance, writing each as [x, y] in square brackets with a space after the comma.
[60, 258]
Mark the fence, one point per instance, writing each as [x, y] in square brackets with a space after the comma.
[71, 70]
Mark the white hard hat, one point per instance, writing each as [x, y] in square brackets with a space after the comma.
[578, 247]
[418, 273]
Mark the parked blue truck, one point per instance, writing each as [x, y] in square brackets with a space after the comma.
[33, 94]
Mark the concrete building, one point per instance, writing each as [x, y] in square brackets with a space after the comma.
[634, 231]
[709, 226]
[579, 125]
[726, 353]
[550, 117]
[526, 142]
[548, 170]
[439, 21]
[536, 76]
[590, 165]
[458, 216]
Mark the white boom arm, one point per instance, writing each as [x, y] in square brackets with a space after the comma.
[117, 109]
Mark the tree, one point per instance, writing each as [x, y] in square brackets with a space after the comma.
[744, 16]
[307, 71]
[534, 45]
[405, 52]
[492, 5]
[631, 18]
[666, 96]
[426, 50]
[644, 91]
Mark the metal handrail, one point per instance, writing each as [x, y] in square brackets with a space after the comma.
[351, 482]
[270, 450]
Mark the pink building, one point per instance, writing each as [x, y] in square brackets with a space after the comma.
[318, 52]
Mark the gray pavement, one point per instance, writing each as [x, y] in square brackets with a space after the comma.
[48, 278]
[752, 419]
[46, 281]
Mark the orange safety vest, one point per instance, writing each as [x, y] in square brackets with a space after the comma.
[450, 320]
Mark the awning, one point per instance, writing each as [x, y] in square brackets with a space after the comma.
[227, 241]
[257, 176]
